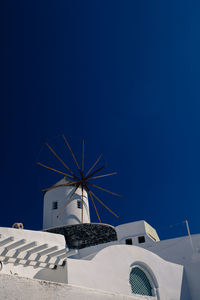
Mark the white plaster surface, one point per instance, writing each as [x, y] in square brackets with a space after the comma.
[184, 251]
[109, 271]
[27, 265]
[71, 214]
[21, 288]
[40, 236]
[134, 229]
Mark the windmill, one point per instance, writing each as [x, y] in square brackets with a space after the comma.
[83, 181]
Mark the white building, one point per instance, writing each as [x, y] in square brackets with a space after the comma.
[74, 260]
[55, 200]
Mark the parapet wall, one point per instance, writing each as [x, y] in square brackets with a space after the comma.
[21, 288]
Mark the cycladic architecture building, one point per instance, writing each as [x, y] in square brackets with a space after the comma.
[55, 200]
[73, 258]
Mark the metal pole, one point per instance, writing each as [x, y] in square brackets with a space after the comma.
[188, 230]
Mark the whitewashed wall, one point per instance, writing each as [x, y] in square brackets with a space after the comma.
[184, 251]
[71, 214]
[135, 229]
[109, 271]
[14, 287]
[29, 263]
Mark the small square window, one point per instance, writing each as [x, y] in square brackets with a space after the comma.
[141, 239]
[129, 242]
[79, 203]
[55, 205]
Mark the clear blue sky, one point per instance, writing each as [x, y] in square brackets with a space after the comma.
[125, 75]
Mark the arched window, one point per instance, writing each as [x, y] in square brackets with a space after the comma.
[139, 282]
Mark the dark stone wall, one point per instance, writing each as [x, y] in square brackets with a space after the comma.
[85, 235]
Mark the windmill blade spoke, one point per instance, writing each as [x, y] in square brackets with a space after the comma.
[59, 185]
[70, 198]
[104, 175]
[96, 171]
[52, 169]
[105, 205]
[100, 188]
[62, 162]
[83, 182]
[82, 204]
[83, 150]
[94, 206]
[74, 158]
[96, 162]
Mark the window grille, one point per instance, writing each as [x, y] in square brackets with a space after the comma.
[139, 282]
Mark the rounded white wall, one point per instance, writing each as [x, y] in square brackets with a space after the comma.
[56, 199]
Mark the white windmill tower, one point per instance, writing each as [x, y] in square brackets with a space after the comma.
[63, 205]
[66, 202]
